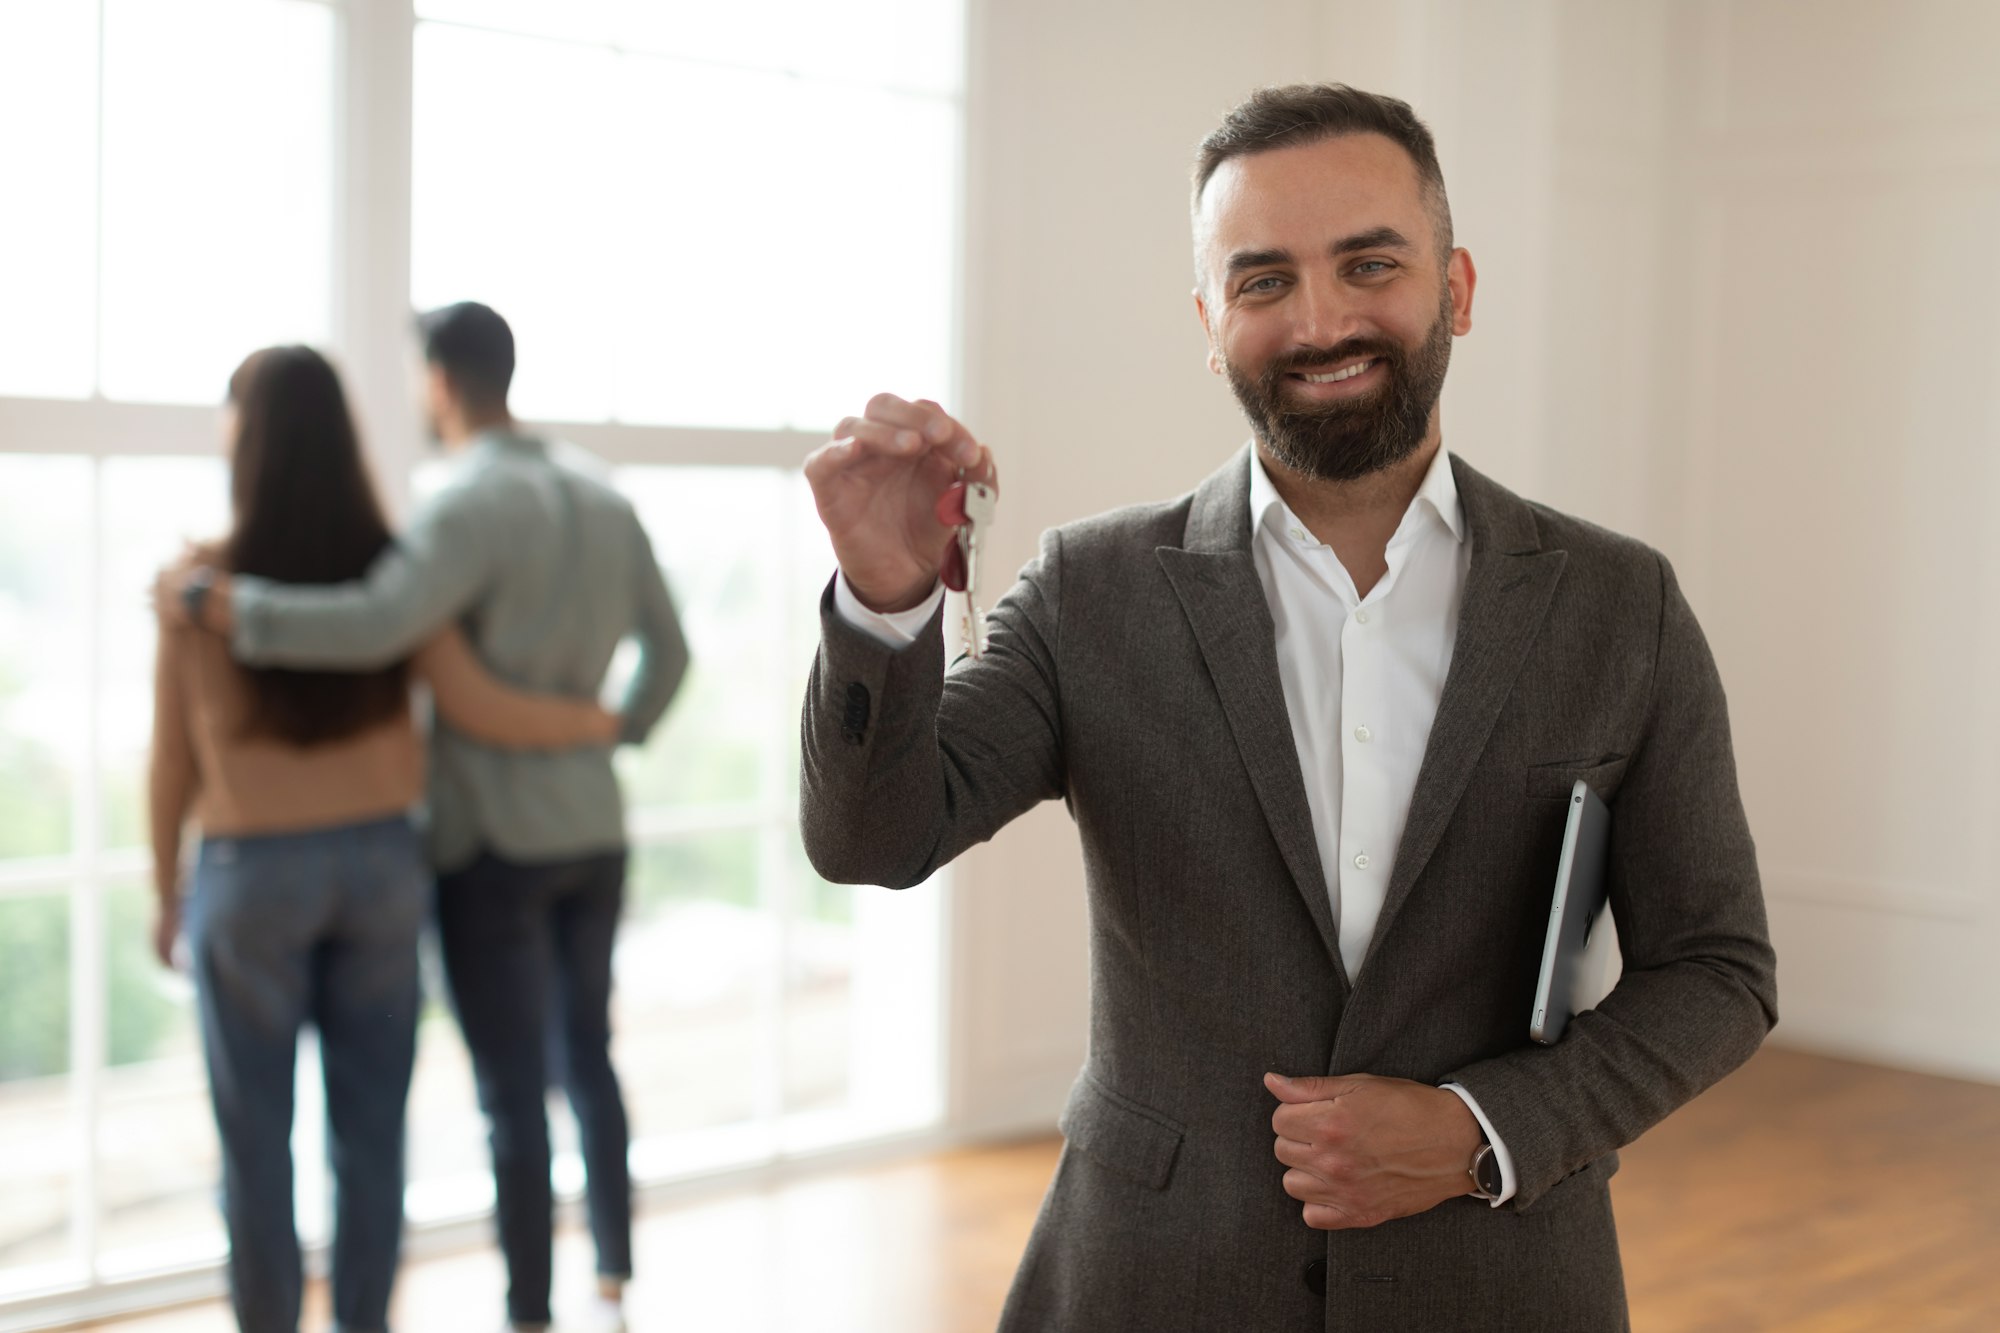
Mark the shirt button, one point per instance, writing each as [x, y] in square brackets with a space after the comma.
[1361, 617]
[1361, 861]
[1298, 535]
[1363, 735]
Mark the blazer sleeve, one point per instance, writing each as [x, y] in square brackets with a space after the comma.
[1699, 988]
[906, 765]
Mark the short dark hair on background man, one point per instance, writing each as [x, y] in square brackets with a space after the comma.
[475, 349]
[1303, 113]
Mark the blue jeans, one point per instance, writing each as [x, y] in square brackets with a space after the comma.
[316, 928]
[527, 953]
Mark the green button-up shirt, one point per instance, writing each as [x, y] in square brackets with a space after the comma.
[547, 570]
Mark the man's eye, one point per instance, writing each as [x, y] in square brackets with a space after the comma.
[1270, 282]
[1368, 268]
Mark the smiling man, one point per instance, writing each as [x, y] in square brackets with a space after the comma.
[1318, 722]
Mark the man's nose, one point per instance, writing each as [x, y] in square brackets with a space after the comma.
[1324, 313]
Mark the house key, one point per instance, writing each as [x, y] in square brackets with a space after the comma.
[980, 502]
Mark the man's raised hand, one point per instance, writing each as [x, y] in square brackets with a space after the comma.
[877, 485]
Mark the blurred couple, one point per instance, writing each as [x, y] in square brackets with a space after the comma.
[285, 733]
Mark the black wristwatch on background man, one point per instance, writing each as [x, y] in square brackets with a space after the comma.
[194, 593]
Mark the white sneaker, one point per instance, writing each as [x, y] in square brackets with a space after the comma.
[602, 1315]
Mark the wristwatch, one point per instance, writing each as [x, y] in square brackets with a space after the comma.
[194, 593]
[1485, 1172]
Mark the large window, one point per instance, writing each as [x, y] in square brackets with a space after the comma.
[737, 219]
[169, 166]
[680, 210]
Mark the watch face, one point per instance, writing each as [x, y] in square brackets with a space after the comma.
[1486, 1168]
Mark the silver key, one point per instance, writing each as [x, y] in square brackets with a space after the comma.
[980, 503]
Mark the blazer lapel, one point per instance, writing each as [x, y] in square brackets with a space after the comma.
[1507, 594]
[1215, 578]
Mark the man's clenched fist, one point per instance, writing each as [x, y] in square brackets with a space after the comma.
[877, 484]
[1363, 1150]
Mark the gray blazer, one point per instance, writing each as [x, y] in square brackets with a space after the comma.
[1133, 673]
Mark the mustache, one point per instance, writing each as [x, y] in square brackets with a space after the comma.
[1305, 359]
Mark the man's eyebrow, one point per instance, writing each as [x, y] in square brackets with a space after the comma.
[1248, 259]
[1375, 238]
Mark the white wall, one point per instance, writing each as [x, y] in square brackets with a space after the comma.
[1084, 369]
[1773, 229]
[1733, 261]
[1841, 164]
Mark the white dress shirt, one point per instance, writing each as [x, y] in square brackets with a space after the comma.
[1362, 678]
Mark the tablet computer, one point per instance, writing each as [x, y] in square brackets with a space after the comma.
[1574, 908]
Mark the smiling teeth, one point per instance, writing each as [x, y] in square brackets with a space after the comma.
[1339, 375]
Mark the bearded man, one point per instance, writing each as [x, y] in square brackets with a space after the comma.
[1318, 723]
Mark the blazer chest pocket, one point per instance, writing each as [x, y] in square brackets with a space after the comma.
[1555, 781]
[1119, 1134]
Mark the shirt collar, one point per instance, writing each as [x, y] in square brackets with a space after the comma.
[1438, 493]
[504, 439]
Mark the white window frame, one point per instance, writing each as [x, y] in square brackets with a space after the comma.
[371, 271]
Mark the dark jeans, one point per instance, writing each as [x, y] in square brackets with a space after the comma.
[316, 928]
[527, 954]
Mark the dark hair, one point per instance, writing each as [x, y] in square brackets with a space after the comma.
[305, 512]
[475, 349]
[1303, 113]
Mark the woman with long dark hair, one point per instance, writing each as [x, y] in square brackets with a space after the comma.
[311, 883]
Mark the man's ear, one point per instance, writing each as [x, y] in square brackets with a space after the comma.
[1460, 273]
[1207, 332]
[437, 388]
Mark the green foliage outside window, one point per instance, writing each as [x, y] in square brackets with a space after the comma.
[715, 867]
[34, 987]
[34, 796]
[35, 984]
[142, 1008]
[34, 789]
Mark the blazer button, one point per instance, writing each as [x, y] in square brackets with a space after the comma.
[854, 723]
[1315, 1277]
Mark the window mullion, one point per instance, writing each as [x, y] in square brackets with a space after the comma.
[774, 898]
[624, 444]
[97, 224]
[372, 266]
[88, 999]
[779, 882]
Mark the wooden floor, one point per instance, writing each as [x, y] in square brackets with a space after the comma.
[1800, 1194]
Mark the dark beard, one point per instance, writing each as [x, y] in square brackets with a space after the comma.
[1343, 441]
